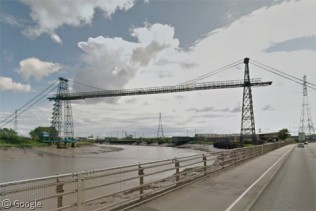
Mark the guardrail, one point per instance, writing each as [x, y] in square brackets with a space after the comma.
[120, 187]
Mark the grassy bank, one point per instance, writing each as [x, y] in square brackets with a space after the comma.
[20, 143]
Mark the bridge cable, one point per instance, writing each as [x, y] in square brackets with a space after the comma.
[283, 75]
[29, 104]
[26, 104]
[226, 67]
[76, 82]
[186, 82]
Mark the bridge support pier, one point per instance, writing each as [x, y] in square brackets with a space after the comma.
[248, 130]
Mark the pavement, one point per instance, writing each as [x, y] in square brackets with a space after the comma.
[236, 188]
[294, 186]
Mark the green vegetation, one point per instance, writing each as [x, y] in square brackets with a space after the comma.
[10, 138]
[83, 143]
[38, 133]
[284, 134]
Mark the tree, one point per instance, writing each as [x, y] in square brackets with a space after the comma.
[284, 134]
[37, 132]
[6, 133]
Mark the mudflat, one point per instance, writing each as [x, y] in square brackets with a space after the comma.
[9, 153]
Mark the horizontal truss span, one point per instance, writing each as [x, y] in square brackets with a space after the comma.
[161, 89]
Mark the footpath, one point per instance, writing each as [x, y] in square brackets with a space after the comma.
[233, 189]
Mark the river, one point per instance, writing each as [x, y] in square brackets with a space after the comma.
[48, 164]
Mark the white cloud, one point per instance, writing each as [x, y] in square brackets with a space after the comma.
[7, 83]
[110, 63]
[33, 67]
[114, 63]
[248, 36]
[50, 15]
[11, 20]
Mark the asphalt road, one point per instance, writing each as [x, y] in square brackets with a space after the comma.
[220, 191]
[294, 186]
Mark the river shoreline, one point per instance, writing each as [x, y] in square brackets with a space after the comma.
[10, 153]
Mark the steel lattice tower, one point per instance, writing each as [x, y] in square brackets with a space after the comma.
[248, 131]
[160, 129]
[63, 123]
[306, 113]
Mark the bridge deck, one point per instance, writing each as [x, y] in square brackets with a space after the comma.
[219, 192]
[255, 82]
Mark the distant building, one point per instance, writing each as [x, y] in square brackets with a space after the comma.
[217, 137]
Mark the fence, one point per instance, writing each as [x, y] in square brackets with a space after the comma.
[120, 187]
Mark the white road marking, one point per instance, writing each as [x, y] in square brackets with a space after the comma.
[253, 184]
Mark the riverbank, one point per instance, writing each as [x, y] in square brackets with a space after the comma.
[9, 153]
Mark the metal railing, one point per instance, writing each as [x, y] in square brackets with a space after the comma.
[116, 188]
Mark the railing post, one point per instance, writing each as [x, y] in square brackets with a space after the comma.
[80, 189]
[177, 165]
[204, 163]
[141, 181]
[59, 189]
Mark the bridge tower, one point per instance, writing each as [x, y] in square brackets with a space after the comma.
[160, 129]
[62, 123]
[306, 113]
[248, 131]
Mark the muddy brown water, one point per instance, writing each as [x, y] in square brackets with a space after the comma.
[47, 164]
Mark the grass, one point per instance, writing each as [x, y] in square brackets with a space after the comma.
[20, 143]
[83, 143]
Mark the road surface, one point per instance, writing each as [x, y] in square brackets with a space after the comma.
[294, 186]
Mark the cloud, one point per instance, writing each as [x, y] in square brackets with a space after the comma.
[212, 109]
[33, 67]
[268, 108]
[110, 63]
[296, 44]
[11, 20]
[7, 83]
[131, 101]
[248, 36]
[236, 109]
[50, 15]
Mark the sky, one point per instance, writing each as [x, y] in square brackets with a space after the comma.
[146, 43]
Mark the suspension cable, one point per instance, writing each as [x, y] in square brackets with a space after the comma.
[29, 104]
[226, 67]
[80, 83]
[30, 101]
[282, 74]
